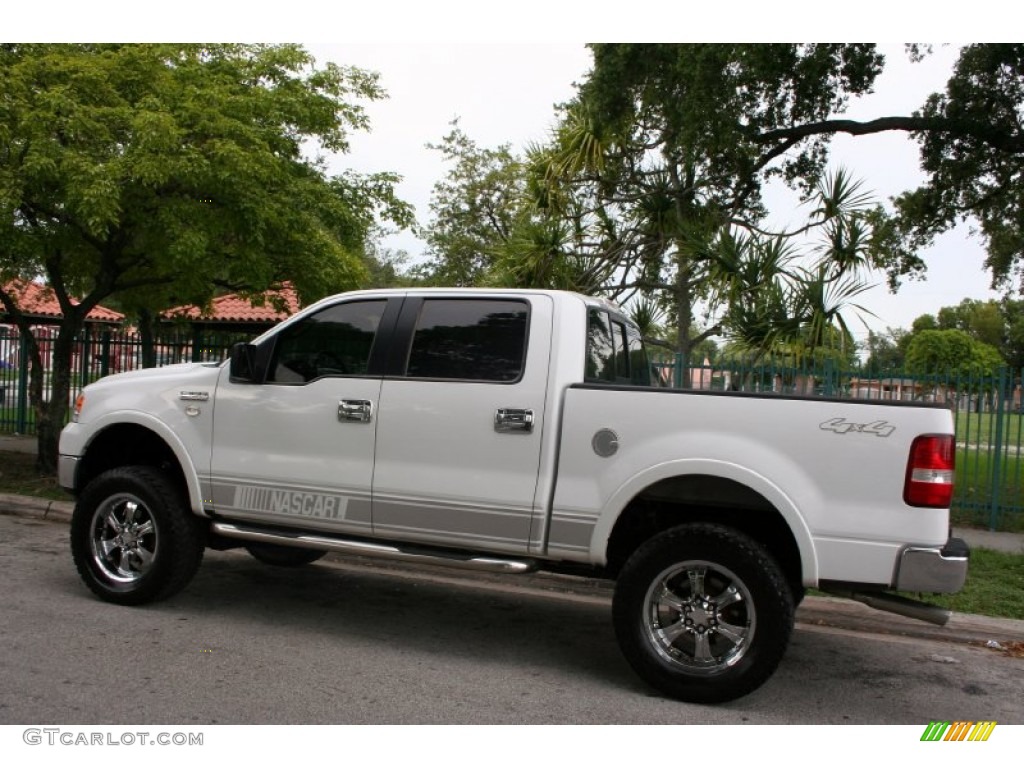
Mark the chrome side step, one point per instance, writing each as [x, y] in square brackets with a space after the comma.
[465, 561]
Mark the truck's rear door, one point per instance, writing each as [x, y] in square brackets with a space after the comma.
[461, 420]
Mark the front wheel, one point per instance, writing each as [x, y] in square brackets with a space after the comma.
[703, 613]
[133, 537]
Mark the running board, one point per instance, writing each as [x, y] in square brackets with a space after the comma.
[903, 606]
[446, 558]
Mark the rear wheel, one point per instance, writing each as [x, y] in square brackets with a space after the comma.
[133, 537]
[284, 557]
[703, 613]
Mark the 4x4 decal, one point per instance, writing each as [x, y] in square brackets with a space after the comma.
[842, 427]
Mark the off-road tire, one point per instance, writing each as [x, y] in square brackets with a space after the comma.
[703, 613]
[134, 538]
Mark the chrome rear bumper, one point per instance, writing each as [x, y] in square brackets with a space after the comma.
[928, 569]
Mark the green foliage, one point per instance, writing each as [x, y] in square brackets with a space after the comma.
[138, 167]
[494, 223]
[952, 351]
[974, 158]
[999, 324]
[159, 173]
[885, 351]
[474, 210]
[658, 162]
[652, 184]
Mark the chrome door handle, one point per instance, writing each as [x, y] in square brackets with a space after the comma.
[355, 410]
[513, 420]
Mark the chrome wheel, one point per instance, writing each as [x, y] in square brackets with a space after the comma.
[703, 612]
[700, 616]
[134, 538]
[123, 538]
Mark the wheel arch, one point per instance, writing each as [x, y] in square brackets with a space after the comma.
[139, 440]
[705, 491]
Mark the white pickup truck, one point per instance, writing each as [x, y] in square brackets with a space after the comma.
[507, 431]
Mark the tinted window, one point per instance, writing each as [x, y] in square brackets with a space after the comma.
[336, 341]
[615, 351]
[469, 339]
[600, 347]
[639, 365]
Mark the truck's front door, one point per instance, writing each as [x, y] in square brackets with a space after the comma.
[298, 448]
[461, 421]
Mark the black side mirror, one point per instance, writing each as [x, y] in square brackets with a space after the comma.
[243, 363]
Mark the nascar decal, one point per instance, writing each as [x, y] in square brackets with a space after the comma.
[284, 502]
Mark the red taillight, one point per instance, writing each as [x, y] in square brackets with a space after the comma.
[929, 480]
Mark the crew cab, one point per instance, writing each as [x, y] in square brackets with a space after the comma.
[508, 431]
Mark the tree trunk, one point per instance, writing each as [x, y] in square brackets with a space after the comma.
[684, 315]
[52, 414]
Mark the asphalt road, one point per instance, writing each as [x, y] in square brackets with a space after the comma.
[342, 643]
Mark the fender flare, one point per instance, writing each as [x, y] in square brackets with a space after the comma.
[162, 431]
[761, 485]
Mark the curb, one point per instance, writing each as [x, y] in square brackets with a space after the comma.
[1007, 635]
[31, 506]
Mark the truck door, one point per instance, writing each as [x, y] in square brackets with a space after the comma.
[461, 421]
[298, 448]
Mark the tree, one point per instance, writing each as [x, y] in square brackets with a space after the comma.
[886, 351]
[694, 131]
[981, 320]
[951, 352]
[659, 162]
[662, 147]
[474, 210]
[972, 148]
[999, 324]
[159, 173]
[491, 227]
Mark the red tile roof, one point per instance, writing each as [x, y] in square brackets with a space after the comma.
[235, 309]
[39, 301]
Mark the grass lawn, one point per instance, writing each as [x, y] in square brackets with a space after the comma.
[972, 497]
[18, 475]
[980, 428]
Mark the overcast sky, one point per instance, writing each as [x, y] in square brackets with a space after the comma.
[505, 93]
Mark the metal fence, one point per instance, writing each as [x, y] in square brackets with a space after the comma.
[95, 355]
[987, 409]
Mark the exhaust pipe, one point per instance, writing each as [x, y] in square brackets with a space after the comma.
[903, 606]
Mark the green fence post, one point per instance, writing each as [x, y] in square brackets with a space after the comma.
[997, 450]
[829, 377]
[23, 365]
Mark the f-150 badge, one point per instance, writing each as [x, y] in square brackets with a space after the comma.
[842, 427]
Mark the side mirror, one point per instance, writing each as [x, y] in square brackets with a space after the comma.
[243, 363]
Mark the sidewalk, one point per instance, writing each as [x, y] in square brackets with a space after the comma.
[18, 443]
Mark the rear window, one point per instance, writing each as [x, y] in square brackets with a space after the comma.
[615, 351]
